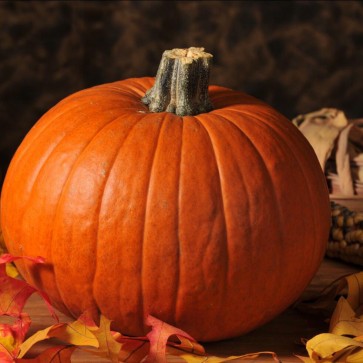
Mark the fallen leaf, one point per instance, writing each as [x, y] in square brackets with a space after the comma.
[58, 354]
[133, 350]
[16, 333]
[74, 333]
[11, 270]
[15, 292]
[160, 334]
[108, 346]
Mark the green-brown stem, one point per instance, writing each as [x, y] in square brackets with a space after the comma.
[181, 83]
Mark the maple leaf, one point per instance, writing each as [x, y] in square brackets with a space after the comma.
[58, 354]
[13, 335]
[14, 293]
[159, 336]
[108, 346]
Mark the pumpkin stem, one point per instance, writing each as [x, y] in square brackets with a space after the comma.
[181, 83]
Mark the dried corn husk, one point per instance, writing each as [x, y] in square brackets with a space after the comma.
[338, 144]
[322, 128]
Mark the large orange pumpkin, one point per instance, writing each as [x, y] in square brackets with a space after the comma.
[214, 222]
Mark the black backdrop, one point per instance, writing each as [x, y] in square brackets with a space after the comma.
[298, 56]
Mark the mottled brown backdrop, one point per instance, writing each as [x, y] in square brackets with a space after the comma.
[297, 55]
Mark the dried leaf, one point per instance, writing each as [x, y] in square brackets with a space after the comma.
[75, 333]
[13, 335]
[13, 295]
[35, 338]
[14, 292]
[107, 343]
[11, 270]
[133, 350]
[108, 346]
[7, 341]
[7, 258]
[58, 354]
[159, 335]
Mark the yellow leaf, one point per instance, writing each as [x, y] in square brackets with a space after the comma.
[108, 346]
[59, 353]
[7, 340]
[11, 270]
[74, 333]
[35, 338]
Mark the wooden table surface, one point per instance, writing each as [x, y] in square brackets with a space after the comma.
[282, 335]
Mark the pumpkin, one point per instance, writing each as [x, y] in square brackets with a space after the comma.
[144, 200]
[2, 242]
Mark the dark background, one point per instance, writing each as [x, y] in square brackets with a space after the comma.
[298, 56]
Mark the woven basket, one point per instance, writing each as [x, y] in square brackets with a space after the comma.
[338, 143]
